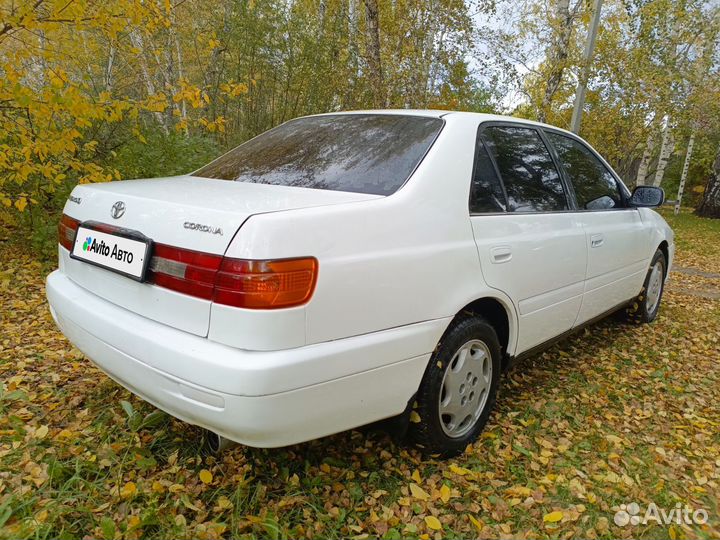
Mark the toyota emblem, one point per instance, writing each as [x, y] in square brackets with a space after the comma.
[117, 210]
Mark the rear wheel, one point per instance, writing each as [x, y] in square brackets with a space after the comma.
[646, 305]
[459, 387]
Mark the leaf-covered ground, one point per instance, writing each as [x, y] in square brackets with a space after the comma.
[615, 415]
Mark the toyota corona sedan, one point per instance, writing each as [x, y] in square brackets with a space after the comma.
[345, 268]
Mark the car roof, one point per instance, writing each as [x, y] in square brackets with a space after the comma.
[436, 113]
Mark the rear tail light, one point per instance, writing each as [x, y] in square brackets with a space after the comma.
[251, 284]
[265, 284]
[184, 271]
[66, 231]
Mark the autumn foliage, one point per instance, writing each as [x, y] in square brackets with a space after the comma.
[614, 415]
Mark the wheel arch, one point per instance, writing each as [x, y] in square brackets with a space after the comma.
[501, 317]
[665, 248]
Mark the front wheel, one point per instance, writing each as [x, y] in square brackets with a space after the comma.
[644, 308]
[458, 390]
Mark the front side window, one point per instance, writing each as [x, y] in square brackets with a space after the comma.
[595, 187]
[363, 153]
[532, 182]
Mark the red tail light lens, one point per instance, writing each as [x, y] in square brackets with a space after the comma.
[66, 231]
[184, 271]
[265, 284]
[251, 284]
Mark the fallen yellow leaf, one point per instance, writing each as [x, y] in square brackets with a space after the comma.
[128, 490]
[433, 523]
[460, 471]
[206, 476]
[415, 417]
[476, 523]
[416, 476]
[41, 432]
[419, 493]
[444, 493]
[553, 517]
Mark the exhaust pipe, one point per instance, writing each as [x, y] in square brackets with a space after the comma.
[218, 443]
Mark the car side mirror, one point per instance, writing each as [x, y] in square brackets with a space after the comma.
[647, 196]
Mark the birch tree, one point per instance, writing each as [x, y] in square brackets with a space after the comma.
[686, 167]
[666, 149]
[372, 23]
[646, 157]
[561, 24]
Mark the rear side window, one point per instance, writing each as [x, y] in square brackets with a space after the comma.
[486, 192]
[595, 187]
[363, 153]
[532, 182]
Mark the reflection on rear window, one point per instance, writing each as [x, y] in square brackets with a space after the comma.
[364, 153]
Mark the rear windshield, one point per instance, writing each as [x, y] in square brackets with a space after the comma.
[363, 153]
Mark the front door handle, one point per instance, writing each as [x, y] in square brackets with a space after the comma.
[597, 240]
[500, 254]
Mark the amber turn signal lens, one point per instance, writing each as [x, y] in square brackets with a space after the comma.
[265, 284]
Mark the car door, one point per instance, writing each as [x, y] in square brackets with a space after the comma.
[530, 244]
[616, 239]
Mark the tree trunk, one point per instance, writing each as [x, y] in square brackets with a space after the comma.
[352, 31]
[683, 177]
[666, 149]
[646, 157]
[372, 28]
[710, 205]
[558, 53]
[138, 42]
[109, 68]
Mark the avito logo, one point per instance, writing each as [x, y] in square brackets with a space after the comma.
[91, 244]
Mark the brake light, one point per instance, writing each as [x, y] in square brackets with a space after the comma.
[184, 271]
[66, 231]
[251, 284]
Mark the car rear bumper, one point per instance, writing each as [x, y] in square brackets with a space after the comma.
[258, 398]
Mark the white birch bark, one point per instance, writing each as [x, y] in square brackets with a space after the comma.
[109, 68]
[646, 157]
[183, 105]
[683, 177]
[139, 43]
[666, 149]
[557, 54]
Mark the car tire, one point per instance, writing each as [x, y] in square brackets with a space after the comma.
[459, 387]
[646, 305]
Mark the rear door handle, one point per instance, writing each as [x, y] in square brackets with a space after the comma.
[500, 254]
[597, 240]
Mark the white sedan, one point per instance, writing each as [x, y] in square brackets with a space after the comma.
[346, 268]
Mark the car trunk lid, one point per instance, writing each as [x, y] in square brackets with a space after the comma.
[185, 212]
